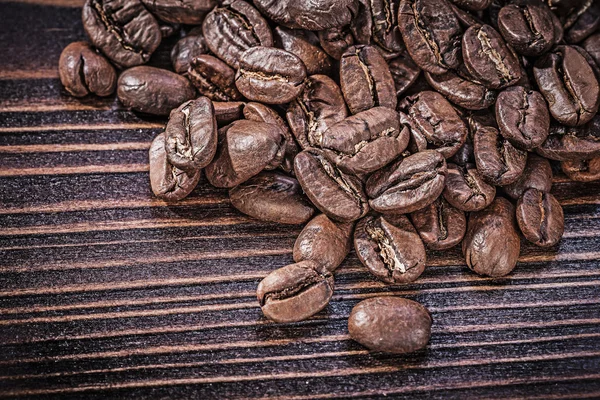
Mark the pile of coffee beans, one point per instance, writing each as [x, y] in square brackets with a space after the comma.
[408, 124]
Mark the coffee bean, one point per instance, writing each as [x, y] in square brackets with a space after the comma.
[295, 292]
[586, 22]
[537, 174]
[464, 155]
[582, 170]
[466, 189]
[491, 245]
[408, 184]
[523, 117]
[304, 45]
[590, 60]
[498, 161]
[569, 85]
[462, 91]
[366, 80]
[540, 218]
[335, 193]
[189, 12]
[393, 253]
[404, 72]
[473, 5]
[572, 143]
[390, 324]
[83, 71]
[335, 41]
[270, 75]
[121, 29]
[592, 46]
[228, 111]
[314, 15]
[375, 23]
[324, 241]
[528, 28]
[234, 28]
[186, 49]
[153, 90]
[213, 78]
[440, 225]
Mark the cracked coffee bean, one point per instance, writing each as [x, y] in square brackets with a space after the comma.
[440, 225]
[537, 174]
[466, 189]
[295, 292]
[582, 170]
[572, 143]
[314, 15]
[540, 218]
[213, 78]
[375, 23]
[335, 41]
[528, 28]
[186, 49]
[462, 91]
[83, 71]
[188, 12]
[304, 45]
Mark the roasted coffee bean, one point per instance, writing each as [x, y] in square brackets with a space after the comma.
[122, 29]
[491, 245]
[464, 155]
[523, 117]
[245, 148]
[466, 189]
[488, 59]
[440, 225]
[314, 15]
[324, 241]
[270, 75]
[318, 107]
[366, 80]
[586, 23]
[186, 49]
[375, 23]
[335, 193]
[234, 28]
[537, 174]
[83, 71]
[540, 218]
[592, 46]
[167, 181]
[462, 91]
[569, 85]
[295, 292]
[582, 170]
[393, 253]
[272, 196]
[409, 184]
[366, 141]
[572, 143]
[528, 28]
[304, 45]
[473, 5]
[153, 90]
[433, 120]
[335, 41]
[228, 111]
[189, 12]
[590, 60]
[191, 135]
[390, 324]
[404, 72]
[431, 33]
[213, 78]
[498, 161]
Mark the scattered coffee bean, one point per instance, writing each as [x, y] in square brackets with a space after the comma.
[213, 78]
[572, 143]
[537, 174]
[304, 45]
[466, 189]
[586, 22]
[582, 170]
[335, 41]
[186, 49]
[440, 225]
[375, 23]
[498, 161]
[314, 15]
[461, 91]
[528, 28]
[540, 217]
[83, 71]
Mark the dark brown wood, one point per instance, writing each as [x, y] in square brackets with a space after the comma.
[107, 292]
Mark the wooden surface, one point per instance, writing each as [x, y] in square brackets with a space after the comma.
[106, 292]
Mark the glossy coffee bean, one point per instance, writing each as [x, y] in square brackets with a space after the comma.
[390, 324]
[440, 225]
[335, 41]
[366, 80]
[121, 29]
[466, 189]
[233, 28]
[393, 253]
[153, 90]
[189, 12]
[186, 49]
[305, 45]
[462, 91]
[498, 161]
[228, 111]
[572, 143]
[537, 174]
[540, 218]
[408, 184]
[523, 117]
[375, 23]
[167, 181]
[213, 78]
[491, 245]
[314, 15]
[295, 292]
[586, 22]
[404, 72]
[324, 241]
[83, 71]
[335, 193]
[528, 28]
[590, 60]
[473, 5]
[582, 170]
[592, 46]
[569, 85]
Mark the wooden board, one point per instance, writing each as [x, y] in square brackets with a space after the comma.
[107, 292]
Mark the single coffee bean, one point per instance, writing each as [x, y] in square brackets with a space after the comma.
[234, 28]
[191, 135]
[523, 117]
[572, 143]
[122, 29]
[295, 292]
[153, 90]
[586, 23]
[335, 41]
[569, 85]
[440, 225]
[314, 15]
[186, 49]
[272, 196]
[390, 324]
[488, 59]
[375, 23]
[590, 60]
[462, 91]
[324, 241]
[366, 141]
[498, 161]
[537, 174]
[304, 45]
[473, 5]
[335, 193]
[189, 12]
[408, 184]
[491, 245]
[393, 253]
[270, 75]
[404, 72]
[592, 46]
[528, 28]
[540, 218]
[228, 111]
[213, 78]
[167, 181]
[245, 148]
[318, 107]
[433, 120]
[431, 33]
[366, 80]
[466, 189]
[582, 170]
[83, 71]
